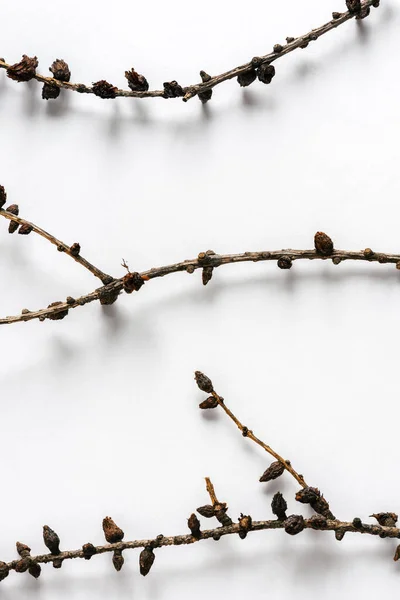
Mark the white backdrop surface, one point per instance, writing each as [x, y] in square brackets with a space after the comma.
[99, 411]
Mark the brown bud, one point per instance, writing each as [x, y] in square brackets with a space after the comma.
[246, 78]
[203, 382]
[4, 570]
[323, 243]
[118, 560]
[107, 297]
[23, 565]
[312, 496]
[136, 82]
[172, 89]
[210, 402]
[317, 521]
[207, 94]
[207, 274]
[266, 73]
[57, 316]
[339, 534]
[132, 282]
[35, 569]
[25, 229]
[397, 554]
[51, 540]
[278, 48]
[13, 225]
[368, 253]
[60, 70]
[146, 560]
[284, 262]
[50, 91]
[386, 519]
[279, 506]
[112, 532]
[25, 70]
[294, 524]
[357, 523]
[194, 526]
[206, 511]
[274, 471]
[245, 524]
[353, 6]
[3, 196]
[104, 90]
[88, 551]
[290, 39]
[75, 249]
[336, 15]
[57, 563]
[23, 550]
[376, 4]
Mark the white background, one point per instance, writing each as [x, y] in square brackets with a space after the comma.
[99, 411]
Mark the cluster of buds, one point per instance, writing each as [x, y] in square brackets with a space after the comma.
[263, 71]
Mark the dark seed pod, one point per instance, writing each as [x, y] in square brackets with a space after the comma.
[60, 70]
[3, 196]
[278, 48]
[317, 521]
[294, 524]
[207, 94]
[274, 471]
[88, 551]
[245, 524]
[25, 70]
[23, 550]
[353, 6]
[104, 89]
[397, 554]
[279, 506]
[207, 274]
[35, 569]
[266, 73]
[118, 560]
[194, 526]
[206, 511]
[51, 540]
[357, 523]
[339, 534]
[23, 565]
[211, 402]
[75, 249]
[203, 382]
[57, 316]
[246, 78]
[323, 243]
[146, 560]
[4, 570]
[50, 91]
[25, 229]
[386, 519]
[132, 282]
[172, 89]
[112, 532]
[284, 262]
[136, 82]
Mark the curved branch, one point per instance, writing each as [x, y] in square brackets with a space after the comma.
[208, 83]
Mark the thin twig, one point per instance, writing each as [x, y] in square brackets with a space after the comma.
[209, 83]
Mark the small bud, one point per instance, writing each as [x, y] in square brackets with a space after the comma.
[3, 196]
[23, 565]
[294, 524]
[194, 526]
[323, 243]
[25, 229]
[397, 554]
[112, 532]
[108, 297]
[317, 521]
[57, 563]
[304, 44]
[386, 519]
[290, 39]
[132, 282]
[13, 225]
[25, 70]
[60, 70]
[88, 551]
[336, 15]
[368, 253]
[210, 402]
[4, 570]
[312, 496]
[353, 6]
[376, 4]
[357, 523]
[284, 262]
[207, 94]
[146, 560]
[206, 511]
[118, 560]
[50, 91]
[104, 90]
[57, 316]
[279, 506]
[246, 78]
[266, 73]
[172, 89]
[274, 471]
[35, 569]
[207, 274]
[278, 48]
[136, 82]
[339, 534]
[203, 382]
[245, 524]
[75, 249]
[336, 260]
[23, 550]
[51, 540]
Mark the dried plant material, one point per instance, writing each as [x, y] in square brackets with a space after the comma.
[25, 70]
[279, 506]
[51, 540]
[146, 560]
[104, 89]
[112, 532]
[275, 470]
[294, 524]
[136, 82]
[203, 382]
[194, 526]
[388, 519]
[60, 70]
[323, 243]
